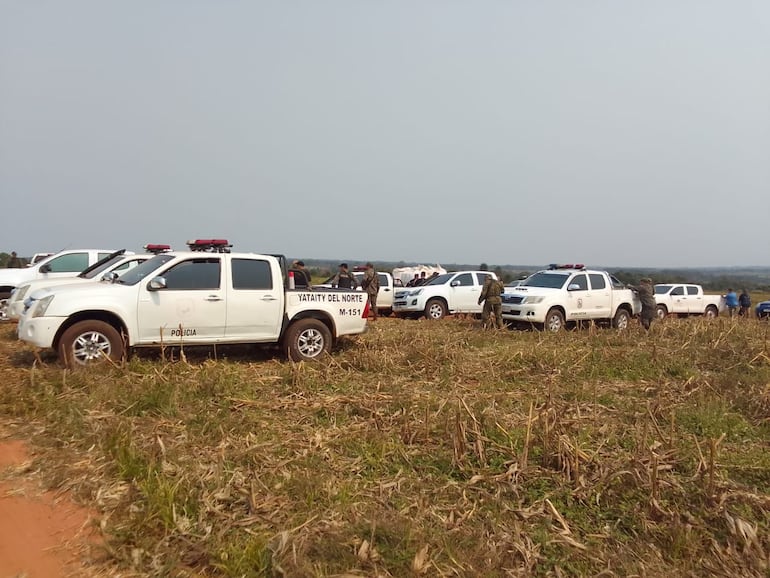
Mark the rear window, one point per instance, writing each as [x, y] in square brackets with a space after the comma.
[251, 274]
[597, 281]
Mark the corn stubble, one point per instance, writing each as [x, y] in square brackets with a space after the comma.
[419, 449]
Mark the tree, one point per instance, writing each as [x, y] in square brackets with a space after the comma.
[483, 267]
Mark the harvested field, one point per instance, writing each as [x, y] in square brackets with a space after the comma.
[420, 448]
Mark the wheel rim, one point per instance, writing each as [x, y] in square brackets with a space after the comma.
[436, 311]
[91, 346]
[661, 314]
[3, 309]
[710, 313]
[310, 343]
[554, 323]
[622, 321]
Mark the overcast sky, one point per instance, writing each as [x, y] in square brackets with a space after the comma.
[605, 132]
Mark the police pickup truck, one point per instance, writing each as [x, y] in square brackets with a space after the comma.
[204, 296]
[568, 294]
[685, 299]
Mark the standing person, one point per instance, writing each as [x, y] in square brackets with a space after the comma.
[744, 300]
[371, 284]
[344, 279]
[493, 303]
[731, 300]
[421, 280]
[301, 275]
[647, 297]
[14, 262]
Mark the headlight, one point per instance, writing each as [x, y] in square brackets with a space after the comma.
[415, 292]
[532, 300]
[19, 293]
[42, 306]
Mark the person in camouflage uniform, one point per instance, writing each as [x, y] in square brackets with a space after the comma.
[344, 279]
[493, 303]
[371, 284]
[647, 297]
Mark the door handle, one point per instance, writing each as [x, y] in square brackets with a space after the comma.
[213, 298]
[268, 298]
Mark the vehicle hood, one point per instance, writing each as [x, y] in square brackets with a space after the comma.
[16, 277]
[40, 284]
[81, 287]
[531, 291]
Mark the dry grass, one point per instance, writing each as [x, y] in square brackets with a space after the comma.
[425, 449]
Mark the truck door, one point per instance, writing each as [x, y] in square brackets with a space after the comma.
[600, 297]
[464, 293]
[186, 303]
[385, 294]
[679, 300]
[579, 301]
[695, 303]
[255, 301]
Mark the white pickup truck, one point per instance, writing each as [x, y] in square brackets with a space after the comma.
[200, 297]
[115, 264]
[456, 292]
[64, 264]
[685, 299]
[568, 294]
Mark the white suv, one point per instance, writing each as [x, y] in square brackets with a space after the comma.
[456, 292]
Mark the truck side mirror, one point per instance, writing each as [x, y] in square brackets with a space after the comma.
[45, 268]
[156, 284]
[454, 284]
[573, 287]
[110, 276]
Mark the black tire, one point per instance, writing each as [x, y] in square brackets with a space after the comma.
[621, 320]
[711, 312]
[554, 321]
[435, 309]
[90, 342]
[307, 340]
[661, 311]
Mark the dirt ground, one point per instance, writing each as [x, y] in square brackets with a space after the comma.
[42, 534]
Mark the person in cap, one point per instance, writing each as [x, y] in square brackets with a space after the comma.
[371, 284]
[301, 275]
[344, 279]
[647, 296]
[491, 293]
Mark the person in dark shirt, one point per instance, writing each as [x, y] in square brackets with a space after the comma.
[14, 262]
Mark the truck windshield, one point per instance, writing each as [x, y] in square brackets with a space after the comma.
[135, 275]
[547, 280]
[101, 265]
[441, 279]
[662, 289]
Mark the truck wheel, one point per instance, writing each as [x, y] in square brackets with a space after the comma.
[4, 305]
[307, 340]
[661, 311]
[711, 312]
[90, 342]
[554, 320]
[435, 309]
[621, 320]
